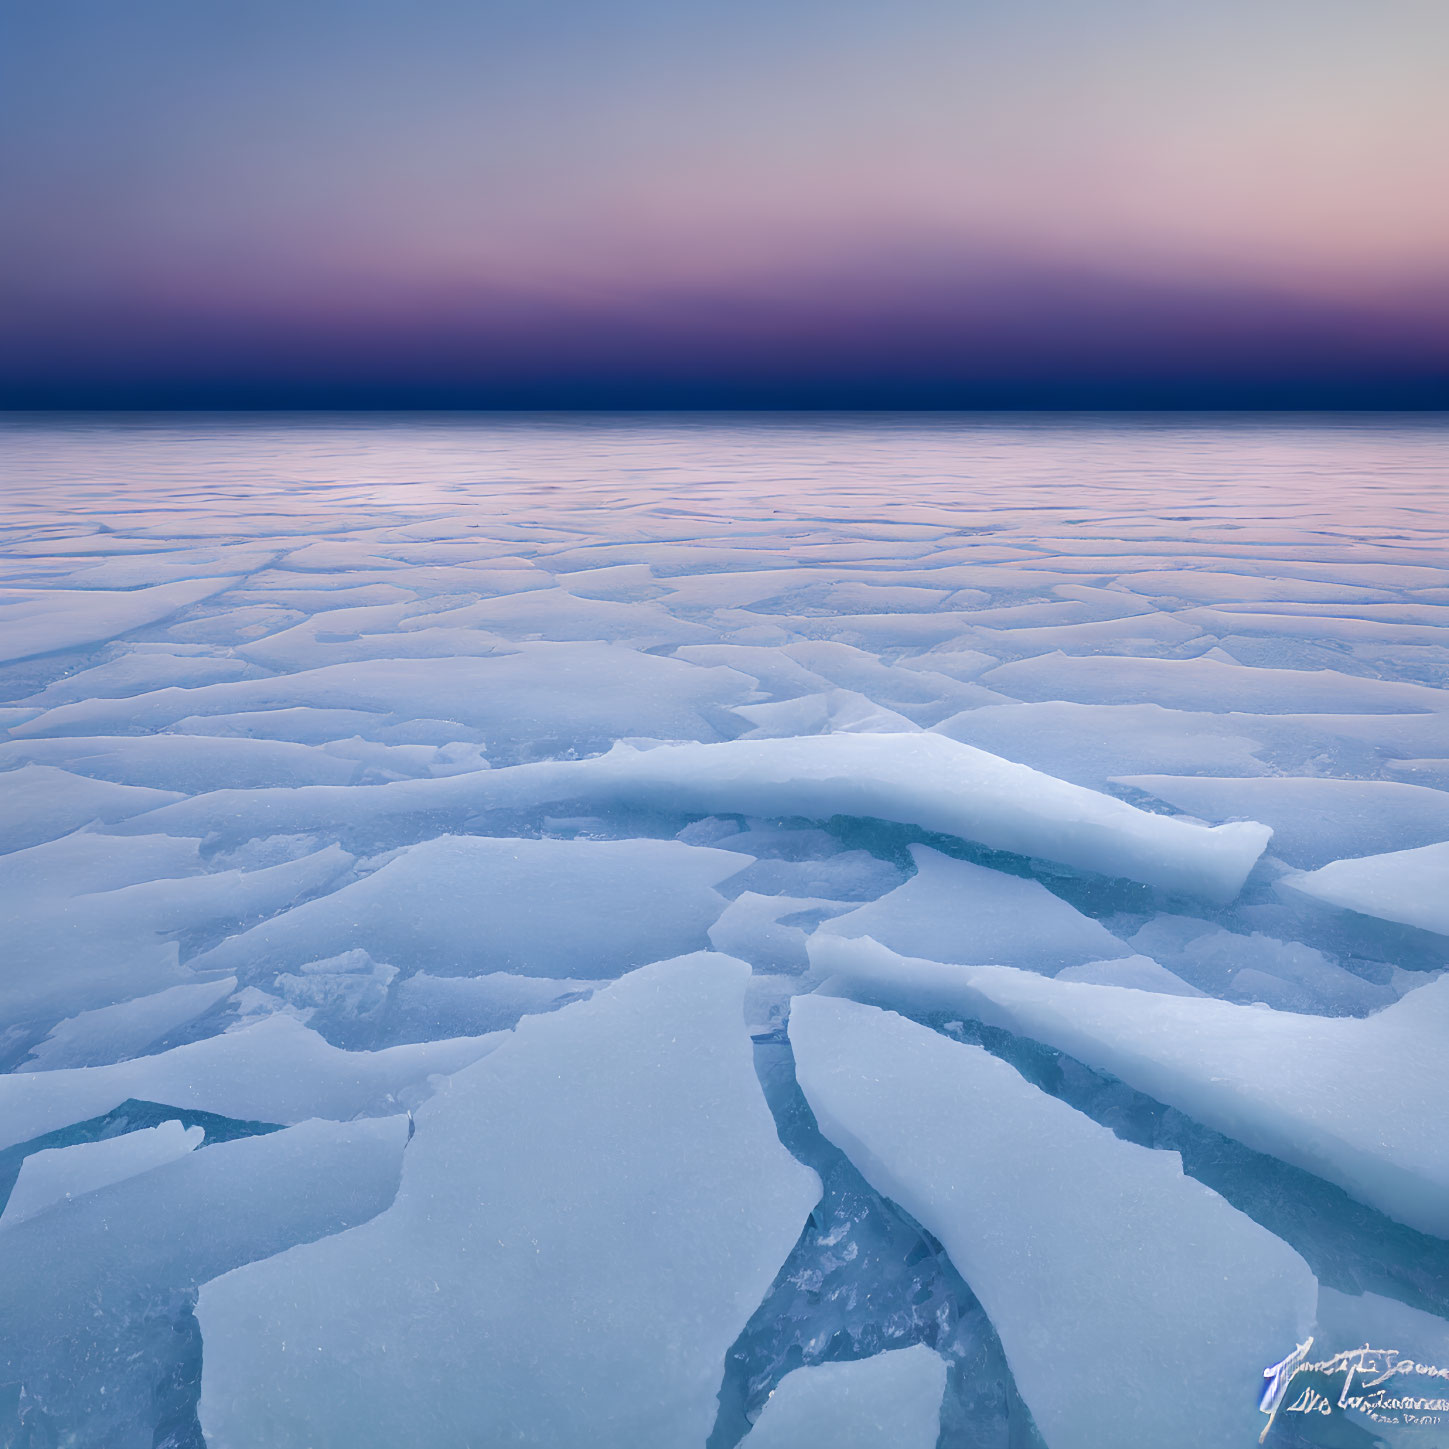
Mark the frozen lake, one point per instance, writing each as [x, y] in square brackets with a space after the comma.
[415, 830]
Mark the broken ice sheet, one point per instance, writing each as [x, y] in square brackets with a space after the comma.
[95, 1321]
[954, 910]
[1410, 887]
[423, 1007]
[464, 905]
[127, 1029]
[71, 947]
[1313, 820]
[273, 1070]
[330, 625]
[1356, 1101]
[616, 1156]
[1084, 1249]
[58, 1174]
[42, 621]
[580, 696]
[40, 803]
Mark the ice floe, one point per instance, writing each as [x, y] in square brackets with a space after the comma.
[1410, 887]
[40, 803]
[616, 1157]
[70, 947]
[466, 905]
[1084, 1249]
[58, 1174]
[275, 1070]
[1313, 820]
[42, 621]
[579, 696]
[127, 1029]
[953, 910]
[1200, 684]
[1141, 973]
[181, 762]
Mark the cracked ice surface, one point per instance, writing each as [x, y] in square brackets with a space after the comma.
[358, 778]
[1354, 1101]
[592, 1213]
[1082, 1248]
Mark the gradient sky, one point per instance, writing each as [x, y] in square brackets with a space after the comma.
[642, 203]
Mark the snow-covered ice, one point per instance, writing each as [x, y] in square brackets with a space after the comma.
[344, 763]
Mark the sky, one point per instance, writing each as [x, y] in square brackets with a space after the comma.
[701, 204]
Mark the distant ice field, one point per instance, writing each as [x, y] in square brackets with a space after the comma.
[418, 834]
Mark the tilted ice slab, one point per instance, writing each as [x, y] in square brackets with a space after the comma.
[889, 1401]
[1092, 743]
[112, 1033]
[40, 803]
[93, 863]
[1116, 634]
[274, 1071]
[1314, 820]
[1205, 684]
[913, 779]
[585, 1224]
[953, 910]
[751, 927]
[1128, 1297]
[938, 784]
[1214, 587]
[466, 904]
[1410, 887]
[1345, 626]
[838, 711]
[1141, 973]
[41, 621]
[1355, 1100]
[138, 667]
[57, 1174]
